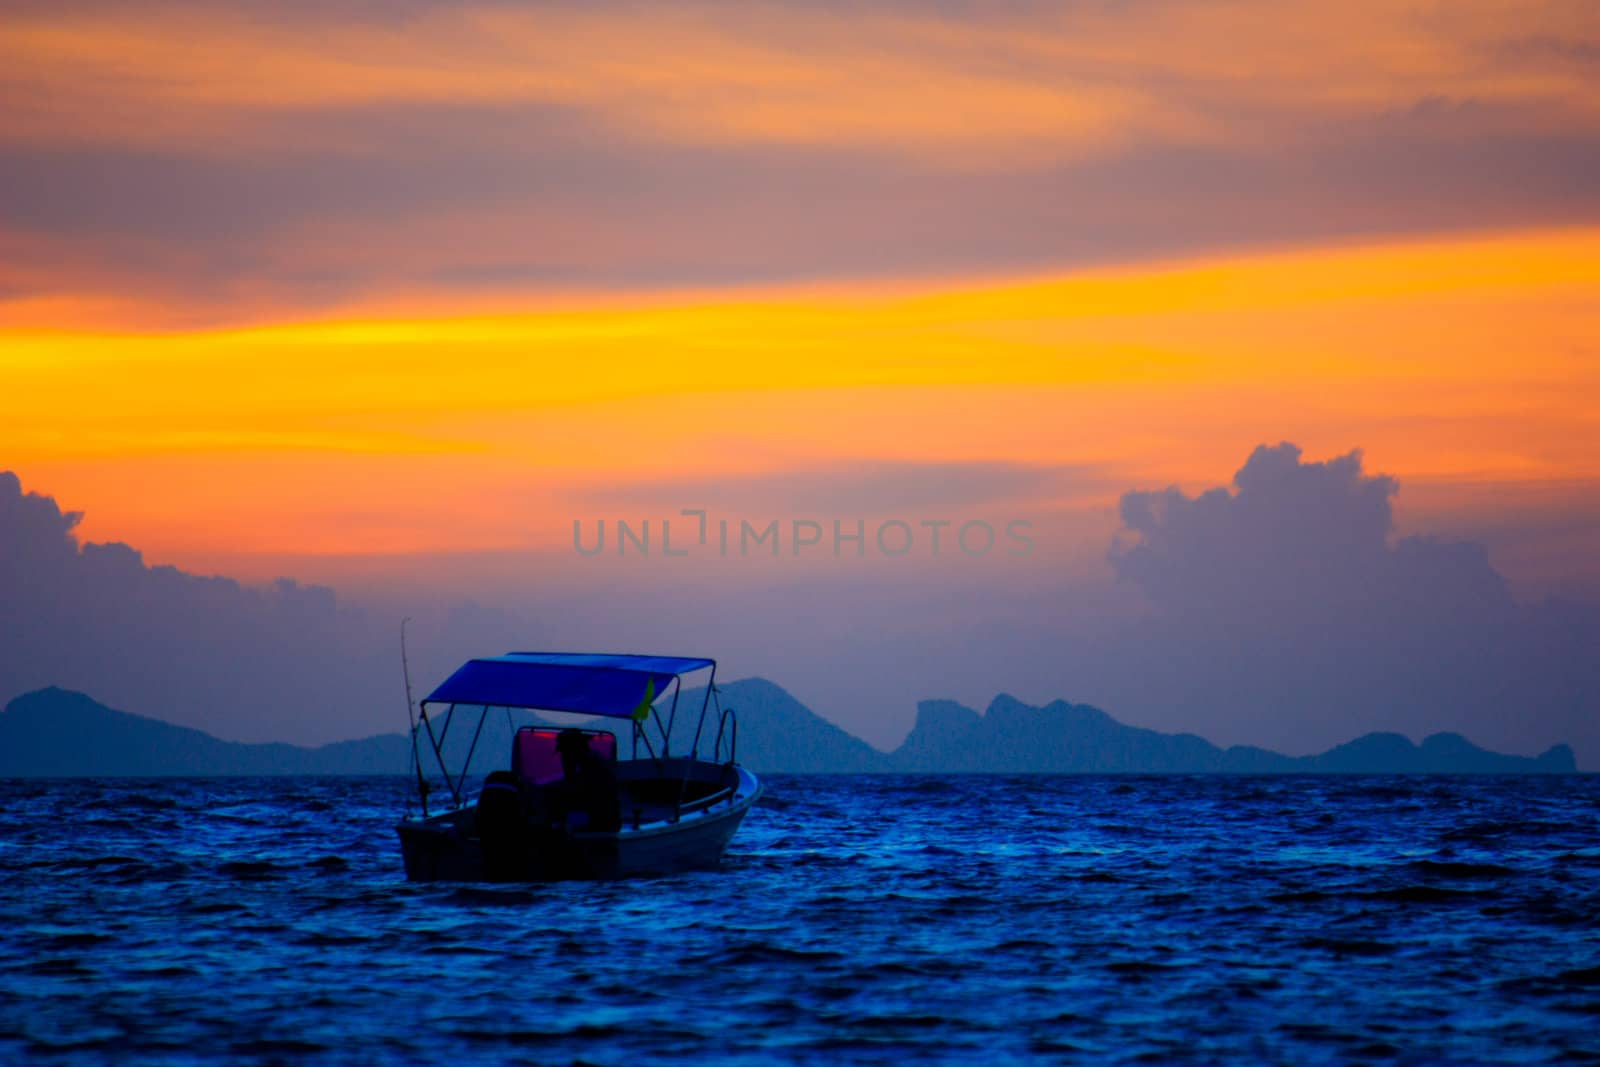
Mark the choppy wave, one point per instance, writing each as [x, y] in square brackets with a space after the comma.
[856, 919]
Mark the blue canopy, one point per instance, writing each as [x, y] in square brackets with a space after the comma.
[587, 683]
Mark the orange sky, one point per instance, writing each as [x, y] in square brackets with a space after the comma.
[1458, 361]
[296, 283]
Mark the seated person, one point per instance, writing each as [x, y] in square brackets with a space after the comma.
[589, 784]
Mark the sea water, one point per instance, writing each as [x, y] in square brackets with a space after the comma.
[855, 919]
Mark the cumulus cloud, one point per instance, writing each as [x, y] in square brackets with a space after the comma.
[286, 662]
[1282, 610]
[1285, 612]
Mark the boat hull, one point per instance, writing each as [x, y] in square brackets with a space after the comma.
[447, 848]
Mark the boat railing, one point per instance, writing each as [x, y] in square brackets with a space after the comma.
[710, 800]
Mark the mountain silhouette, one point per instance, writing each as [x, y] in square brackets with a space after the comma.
[777, 732]
[58, 733]
[1062, 738]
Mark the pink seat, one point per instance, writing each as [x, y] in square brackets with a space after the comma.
[534, 757]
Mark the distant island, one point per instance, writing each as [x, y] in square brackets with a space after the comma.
[59, 733]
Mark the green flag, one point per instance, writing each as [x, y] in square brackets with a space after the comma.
[642, 712]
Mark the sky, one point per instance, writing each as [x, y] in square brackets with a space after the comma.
[387, 298]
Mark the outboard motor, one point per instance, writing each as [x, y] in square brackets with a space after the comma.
[503, 829]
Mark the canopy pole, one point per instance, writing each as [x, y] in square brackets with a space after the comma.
[438, 754]
[672, 714]
[711, 689]
[466, 764]
[683, 786]
[639, 734]
[666, 741]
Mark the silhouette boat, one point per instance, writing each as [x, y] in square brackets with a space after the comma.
[565, 805]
